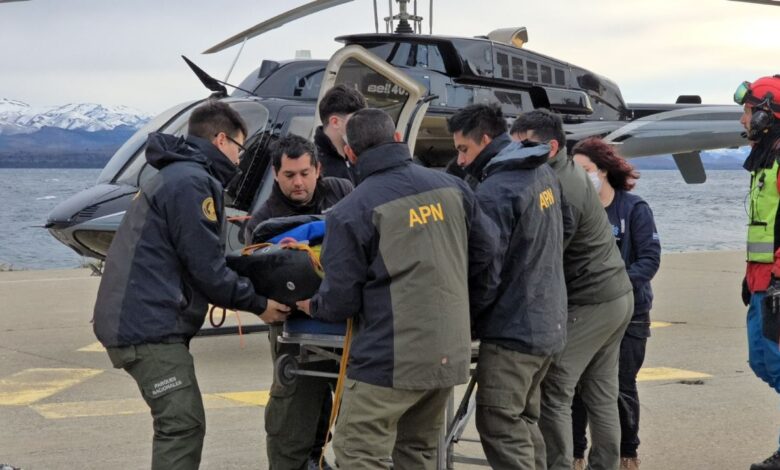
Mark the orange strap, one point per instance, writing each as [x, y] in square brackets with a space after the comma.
[334, 412]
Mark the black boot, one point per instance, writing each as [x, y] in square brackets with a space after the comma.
[772, 463]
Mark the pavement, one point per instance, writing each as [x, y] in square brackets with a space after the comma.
[62, 405]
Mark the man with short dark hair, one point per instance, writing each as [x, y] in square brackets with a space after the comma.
[165, 265]
[479, 133]
[298, 186]
[334, 109]
[405, 255]
[297, 415]
[600, 305]
[527, 324]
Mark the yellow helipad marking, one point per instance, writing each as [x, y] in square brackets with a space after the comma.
[130, 406]
[668, 373]
[250, 398]
[659, 324]
[94, 347]
[28, 386]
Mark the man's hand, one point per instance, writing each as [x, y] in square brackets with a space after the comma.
[303, 306]
[275, 312]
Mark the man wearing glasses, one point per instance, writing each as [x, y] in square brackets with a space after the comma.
[165, 265]
[761, 287]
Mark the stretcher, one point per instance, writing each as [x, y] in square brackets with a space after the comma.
[320, 341]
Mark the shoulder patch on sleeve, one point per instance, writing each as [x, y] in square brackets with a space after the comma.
[208, 209]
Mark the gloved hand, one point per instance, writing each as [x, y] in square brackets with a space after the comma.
[771, 311]
[745, 292]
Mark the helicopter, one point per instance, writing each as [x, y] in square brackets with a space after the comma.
[420, 80]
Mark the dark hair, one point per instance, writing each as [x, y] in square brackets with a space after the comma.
[620, 173]
[294, 146]
[368, 128]
[477, 120]
[340, 100]
[546, 125]
[213, 117]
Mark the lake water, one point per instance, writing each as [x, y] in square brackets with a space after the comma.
[710, 216]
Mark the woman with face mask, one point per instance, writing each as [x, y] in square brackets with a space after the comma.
[637, 238]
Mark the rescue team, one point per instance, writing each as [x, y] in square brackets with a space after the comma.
[543, 257]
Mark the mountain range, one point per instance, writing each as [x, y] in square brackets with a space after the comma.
[71, 135]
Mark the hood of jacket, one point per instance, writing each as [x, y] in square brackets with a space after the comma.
[517, 156]
[164, 149]
[477, 168]
[381, 157]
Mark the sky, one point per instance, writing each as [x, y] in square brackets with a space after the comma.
[55, 52]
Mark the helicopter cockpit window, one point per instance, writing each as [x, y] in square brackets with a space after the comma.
[518, 72]
[255, 115]
[136, 141]
[560, 77]
[546, 74]
[405, 54]
[502, 65]
[379, 91]
[533, 71]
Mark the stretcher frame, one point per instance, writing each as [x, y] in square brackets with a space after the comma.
[319, 347]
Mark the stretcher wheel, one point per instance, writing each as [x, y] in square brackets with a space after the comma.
[286, 366]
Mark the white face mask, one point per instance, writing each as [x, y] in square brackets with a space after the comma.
[595, 179]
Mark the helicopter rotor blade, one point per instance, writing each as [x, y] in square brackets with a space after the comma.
[207, 80]
[276, 21]
[760, 2]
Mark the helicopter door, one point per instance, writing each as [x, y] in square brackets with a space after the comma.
[383, 86]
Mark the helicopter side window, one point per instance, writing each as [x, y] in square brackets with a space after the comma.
[560, 77]
[517, 69]
[533, 71]
[502, 65]
[546, 74]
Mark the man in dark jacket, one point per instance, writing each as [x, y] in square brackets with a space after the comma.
[527, 324]
[297, 416]
[166, 263]
[298, 188]
[335, 108]
[600, 305]
[405, 255]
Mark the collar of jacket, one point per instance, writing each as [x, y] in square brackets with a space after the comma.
[765, 152]
[217, 163]
[319, 193]
[325, 146]
[517, 157]
[382, 157]
[560, 159]
[477, 167]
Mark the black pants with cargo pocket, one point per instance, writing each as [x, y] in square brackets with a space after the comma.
[165, 374]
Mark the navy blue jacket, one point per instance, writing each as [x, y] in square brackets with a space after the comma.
[167, 262]
[522, 194]
[637, 238]
[407, 254]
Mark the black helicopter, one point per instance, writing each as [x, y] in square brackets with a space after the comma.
[420, 80]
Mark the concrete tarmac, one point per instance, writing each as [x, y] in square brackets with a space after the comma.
[63, 406]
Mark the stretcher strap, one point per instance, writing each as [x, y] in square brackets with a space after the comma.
[334, 412]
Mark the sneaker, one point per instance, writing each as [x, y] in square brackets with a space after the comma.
[772, 463]
[578, 464]
[629, 463]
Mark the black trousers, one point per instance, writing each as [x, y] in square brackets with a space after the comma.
[632, 355]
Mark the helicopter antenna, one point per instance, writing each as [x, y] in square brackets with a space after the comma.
[376, 19]
[217, 86]
[389, 19]
[430, 19]
[246, 38]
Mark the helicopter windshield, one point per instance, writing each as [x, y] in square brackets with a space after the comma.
[137, 171]
[131, 145]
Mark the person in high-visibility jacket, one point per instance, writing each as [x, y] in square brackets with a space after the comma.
[761, 287]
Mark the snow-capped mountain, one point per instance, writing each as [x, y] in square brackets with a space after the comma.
[17, 117]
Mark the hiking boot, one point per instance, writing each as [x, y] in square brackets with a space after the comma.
[772, 463]
[629, 463]
[578, 464]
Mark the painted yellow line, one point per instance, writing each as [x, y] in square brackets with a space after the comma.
[94, 347]
[249, 398]
[659, 324]
[667, 373]
[129, 406]
[28, 386]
